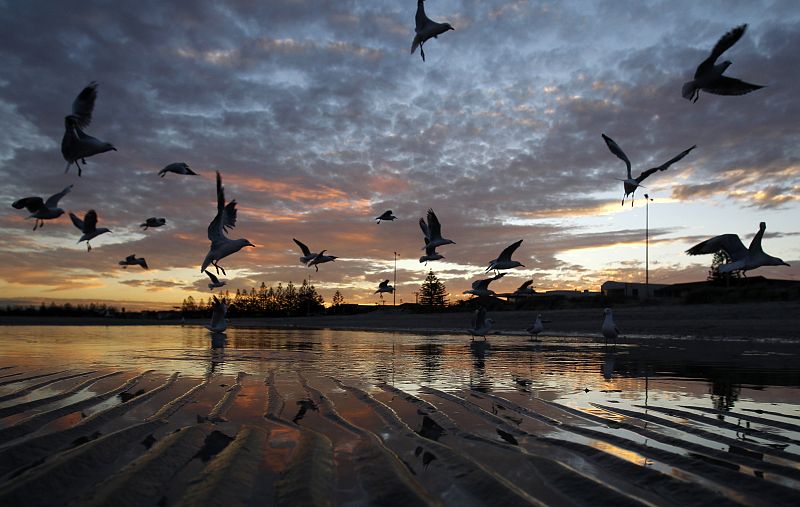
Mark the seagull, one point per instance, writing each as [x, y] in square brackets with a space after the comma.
[708, 76]
[153, 222]
[131, 260]
[42, 210]
[215, 282]
[308, 255]
[481, 326]
[631, 184]
[88, 227]
[481, 287]
[77, 144]
[525, 289]
[504, 261]
[321, 258]
[743, 259]
[385, 287]
[387, 215]
[609, 329]
[177, 168]
[433, 232]
[537, 327]
[425, 29]
[221, 245]
[430, 253]
[218, 324]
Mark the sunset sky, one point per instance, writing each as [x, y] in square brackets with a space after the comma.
[319, 119]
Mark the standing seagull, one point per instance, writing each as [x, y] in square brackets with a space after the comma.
[88, 227]
[708, 76]
[131, 260]
[321, 258]
[42, 210]
[387, 215]
[433, 232]
[215, 282]
[631, 184]
[742, 259]
[177, 168]
[385, 287]
[425, 29]
[430, 253]
[153, 222]
[308, 255]
[481, 326]
[221, 245]
[77, 144]
[537, 327]
[504, 261]
[218, 323]
[481, 287]
[609, 328]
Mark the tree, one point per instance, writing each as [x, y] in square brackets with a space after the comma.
[721, 258]
[338, 299]
[433, 292]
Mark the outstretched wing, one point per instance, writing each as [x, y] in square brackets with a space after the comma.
[90, 221]
[420, 19]
[616, 150]
[496, 277]
[731, 86]
[665, 165]
[425, 231]
[130, 258]
[434, 227]
[143, 263]
[213, 278]
[52, 201]
[525, 285]
[723, 44]
[83, 105]
[429, 250]
[303, 247]
[77, 221]
[730, 243]
[226, 215]
[505, 255]
[32, 204]
[383, 284]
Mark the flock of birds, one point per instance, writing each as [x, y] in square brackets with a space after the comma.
[77, 145]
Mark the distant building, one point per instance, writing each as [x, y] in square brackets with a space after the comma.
[621, 290]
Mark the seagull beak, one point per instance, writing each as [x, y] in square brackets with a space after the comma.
[786, 264]
[250, 244]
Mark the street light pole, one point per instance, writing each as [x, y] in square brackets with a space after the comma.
[394, 292]
[647, 200]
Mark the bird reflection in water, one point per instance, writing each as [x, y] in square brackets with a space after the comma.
[478, 380]
[218, 341]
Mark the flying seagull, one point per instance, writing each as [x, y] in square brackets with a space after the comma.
[525, 289]
[321, 258]
[308, 255]
[609, 328]
[537, 327]
[221, 245]
[215, 282]
[708, 76]
[218, 323]
[385, 287]
[504, 261]
[42, 210]
[742, 259]
[481, 287]
[433, 232]
[177, 168]
[631, 184]
[88, 227]
[430, 253]
[153, 222]
[426, 29]
[131, 260]
[387, 215]
[481, 326]
[77, 144]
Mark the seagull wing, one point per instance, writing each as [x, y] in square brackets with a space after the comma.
[52, 201]
[616, 150]
[755, 244]
[434, 227]
[496, 277]
[383, 284]
[425, 230]
[731, 86]
[730, 243]
[303, 247]
[213, 278]
[505, 255]
[525, 285]
[77, 221]
[421, 18]
[429, 250]
[130, 258]
[664, 166]
[723, 44]
[216, 229]
[83, 105]
[90, 221]
[482, 284]
[32, 204]
[143, 263]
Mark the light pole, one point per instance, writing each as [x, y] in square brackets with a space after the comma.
[647, 200]
[394, 292]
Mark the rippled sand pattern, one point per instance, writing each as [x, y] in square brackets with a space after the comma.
[162, 416]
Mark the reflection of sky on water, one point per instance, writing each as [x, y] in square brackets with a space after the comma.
[573, 372]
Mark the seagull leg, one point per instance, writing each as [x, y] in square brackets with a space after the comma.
[79, 167]
[68, 166]
[88, 247]
[422, 51]
[316, 267]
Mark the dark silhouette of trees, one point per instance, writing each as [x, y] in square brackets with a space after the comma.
[432, 293]
[720, 258]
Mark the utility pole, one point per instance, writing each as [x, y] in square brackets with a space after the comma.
[647, 200]
[394, 292]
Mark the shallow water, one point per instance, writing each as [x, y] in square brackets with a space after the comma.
[707, 421]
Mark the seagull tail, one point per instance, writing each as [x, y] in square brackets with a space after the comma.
[688, 90]
[414, 44]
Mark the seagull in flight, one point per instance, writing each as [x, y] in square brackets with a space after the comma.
[631, 184]
[385, 287]
[708, 76]
[215, 282]
[40, 209]
[221, 245]
[177, 168]
[525, 289]
[218, 323]
[481, 326]
[321, 258]
[131, 260]
[742, 259]
[504, 261]
[77, 144]
[153, 222]
[426, 29]
[387, 215]
[308, 255]
[430, 253]
[433, 232]
[609, 328]
[88, 227]
[481, 287]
